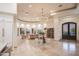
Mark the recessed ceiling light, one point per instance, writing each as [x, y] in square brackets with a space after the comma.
[51, 11]
[53, 14]
[22, 25]
[30, 5]
[27, 25]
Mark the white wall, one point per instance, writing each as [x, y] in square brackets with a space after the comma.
[8, 8]
[7, 25]
[1, 27]
[7, 13]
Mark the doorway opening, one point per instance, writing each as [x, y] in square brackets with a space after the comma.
[69, 31]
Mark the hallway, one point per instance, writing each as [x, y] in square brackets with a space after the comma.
[51, 48]
[22, 24]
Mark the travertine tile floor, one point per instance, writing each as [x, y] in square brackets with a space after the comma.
[51, 48]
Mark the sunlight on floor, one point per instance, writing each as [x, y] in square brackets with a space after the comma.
[51, 48]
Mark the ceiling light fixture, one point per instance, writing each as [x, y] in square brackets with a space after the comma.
[43, 16]
[53, 14]
[22, 25]
[52, 11]
[30, 6]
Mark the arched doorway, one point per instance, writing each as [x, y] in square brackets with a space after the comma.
[69, 31]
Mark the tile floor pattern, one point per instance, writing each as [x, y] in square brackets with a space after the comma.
[51, 48]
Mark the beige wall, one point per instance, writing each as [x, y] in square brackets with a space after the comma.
[58, 21]
[65, 16]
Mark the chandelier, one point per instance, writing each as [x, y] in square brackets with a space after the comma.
[43, 17]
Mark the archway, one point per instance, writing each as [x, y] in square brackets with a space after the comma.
[69, 31]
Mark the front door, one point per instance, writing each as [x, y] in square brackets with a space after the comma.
[69, 31]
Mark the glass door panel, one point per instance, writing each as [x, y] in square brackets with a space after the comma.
[72, 29]
[65, 29]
